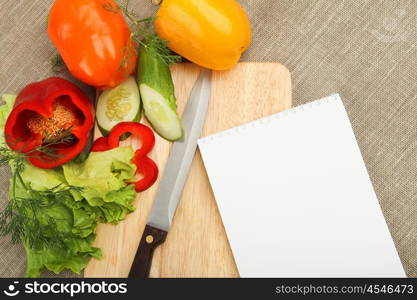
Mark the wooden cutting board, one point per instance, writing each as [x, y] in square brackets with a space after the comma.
[197, 244]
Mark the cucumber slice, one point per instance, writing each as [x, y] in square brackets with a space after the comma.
[163, 118]
[119, 104]
[157, 92]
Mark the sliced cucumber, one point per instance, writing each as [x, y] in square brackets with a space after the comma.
[163, 118]
[157, 92]
[119, 104]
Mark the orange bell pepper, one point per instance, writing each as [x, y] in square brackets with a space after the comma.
[210, 33]
[94, 41]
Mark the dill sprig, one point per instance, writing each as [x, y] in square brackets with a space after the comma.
[48, 150]
[159, 46]
[25, 216]
[144, 35]
[109, 7]
[57, 63]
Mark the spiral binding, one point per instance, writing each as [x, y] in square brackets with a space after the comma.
[268, 119]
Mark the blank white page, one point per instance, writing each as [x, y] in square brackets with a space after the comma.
[296, 199]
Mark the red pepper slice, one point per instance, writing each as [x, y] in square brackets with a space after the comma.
[144, 165]
[42, 110]
[145, 134]
[148, 168]
[100, 145]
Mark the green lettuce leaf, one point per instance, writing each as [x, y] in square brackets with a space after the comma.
[57, 259]
[76, 225]
[101, 174]
[5, 110]
[43, 179]
[104, 196]
[103, 177]
[118, 204]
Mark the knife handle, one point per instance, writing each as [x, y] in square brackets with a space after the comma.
[151, 238]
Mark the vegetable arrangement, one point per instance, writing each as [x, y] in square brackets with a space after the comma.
[62, 183]
[55, 211]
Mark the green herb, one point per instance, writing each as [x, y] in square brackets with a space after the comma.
[57, 63]
[109, 7]
[159, 46]
[144, 34]
[46, 151]
[20, 217]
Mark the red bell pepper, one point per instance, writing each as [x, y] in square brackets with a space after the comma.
[100, 145]
[148, 168]
[144, 165]
[143, 132]
[44, 111]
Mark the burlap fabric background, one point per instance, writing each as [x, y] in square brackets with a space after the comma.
[363, 49]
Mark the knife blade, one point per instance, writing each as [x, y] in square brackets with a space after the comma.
[174, 177]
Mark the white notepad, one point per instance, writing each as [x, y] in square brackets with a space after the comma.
[296, 199]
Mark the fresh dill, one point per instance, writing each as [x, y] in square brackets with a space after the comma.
[57, 63]
[109, 7]
[48, 150]
[25, 217]
[144, 35]
[159, 46]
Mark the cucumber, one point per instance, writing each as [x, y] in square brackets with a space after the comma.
[119, 104]
[157, 92]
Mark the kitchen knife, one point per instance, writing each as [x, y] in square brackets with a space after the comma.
[174, 177]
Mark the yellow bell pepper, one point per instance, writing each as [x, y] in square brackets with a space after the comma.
[210, 33]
